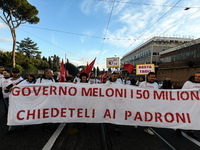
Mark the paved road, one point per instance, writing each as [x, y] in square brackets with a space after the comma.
[89, 136]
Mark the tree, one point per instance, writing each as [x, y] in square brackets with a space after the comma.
[56, 63]
[50, 62]
[28, 47]
[16, 12]
[98, 71]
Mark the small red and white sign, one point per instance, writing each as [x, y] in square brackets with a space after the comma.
[144, 69]
[112, 62]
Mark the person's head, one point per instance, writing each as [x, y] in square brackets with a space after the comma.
[68, 79]
[48, 73]
[197, 77]
[1, 69]
[114, 77]
[6, 73]
[15, 73]
[83, 77]
[104, 80]
[191, 78]
[151, 77]
[31, 78]
[117, 73]
[92, 75]
[141, 78]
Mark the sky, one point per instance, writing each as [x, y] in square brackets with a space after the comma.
[81, 30]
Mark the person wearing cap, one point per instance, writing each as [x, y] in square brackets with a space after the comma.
[15, 80]
[150, 84]
[47, 77]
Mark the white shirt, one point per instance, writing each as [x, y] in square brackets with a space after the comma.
[108, 82]
[4, 84]
[127, 82]
[92, 81]
[191, 85]
[119, 80]
[14, 82]
[1, 77]
[145, 84]
[42, 80]
[76, 79]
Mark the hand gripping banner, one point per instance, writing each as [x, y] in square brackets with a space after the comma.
[104, 103]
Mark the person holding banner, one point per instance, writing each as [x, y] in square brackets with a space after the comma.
[119, 79]
[150, 83]
[141, 79]
[77, 78]
[92, 79]
[47, 77]
[15, 80]
[113, 79]
[193, 83]
[83, 78]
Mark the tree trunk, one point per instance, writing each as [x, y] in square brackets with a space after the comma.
[14, 45]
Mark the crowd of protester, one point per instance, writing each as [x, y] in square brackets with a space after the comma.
[10, 78]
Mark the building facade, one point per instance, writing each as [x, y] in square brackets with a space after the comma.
[179, 63]
[149, 51]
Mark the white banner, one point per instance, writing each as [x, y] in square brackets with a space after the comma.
[100, 103]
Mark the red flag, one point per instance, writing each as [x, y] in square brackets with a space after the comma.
[87, 71]
[89, 67]
[91, 64]
[103, 76]
[129, 67]
[63, 73]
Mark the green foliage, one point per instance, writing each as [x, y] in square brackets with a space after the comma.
[6, 59]
[20, 10]
[28, 47]
[27, 63]
[56, 63]
[20, 68]
[17, 12]
[98, 71]
[31, 67]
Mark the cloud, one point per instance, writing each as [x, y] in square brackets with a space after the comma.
[5, 40]
[65, 6]
[3, 26]
[85, 6]
[68, 54]
[5, 50]
[104, 52]
[89, 7]
[85, 60]
[88, 33]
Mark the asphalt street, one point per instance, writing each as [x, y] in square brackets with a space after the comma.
[84, 136]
